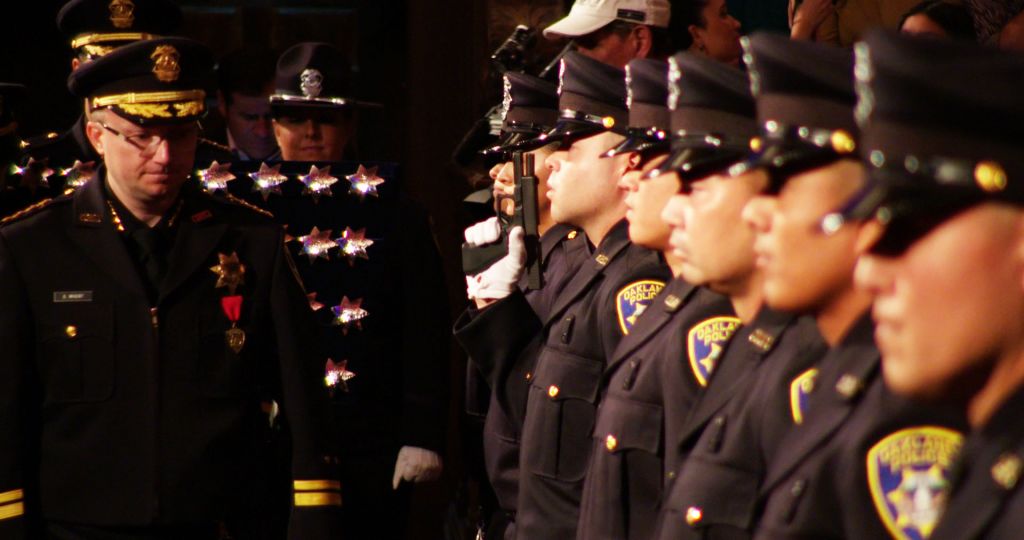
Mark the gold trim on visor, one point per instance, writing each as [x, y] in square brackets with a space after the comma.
[317, 485]
[185, 103]
[332, 101]
[318, 498]
[9, 511]
[89, 39]
[11, 496]
[148, 97]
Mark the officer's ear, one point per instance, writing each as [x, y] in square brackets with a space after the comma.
[93, 131]
[632, 162]
[643, 41]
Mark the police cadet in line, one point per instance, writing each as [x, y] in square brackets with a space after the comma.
[142, 320]
[617, 31]
[94, 28]
[647, 386]
[718, 486]
[595, 310]
[947, 173]
[501, 352]
[709, 488]
[841, 472]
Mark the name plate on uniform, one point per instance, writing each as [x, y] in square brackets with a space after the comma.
[63, 297]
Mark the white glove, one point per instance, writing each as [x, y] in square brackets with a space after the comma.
[416, 465]
[484, 232]
[502, 277]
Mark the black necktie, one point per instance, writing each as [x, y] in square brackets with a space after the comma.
[151, 254]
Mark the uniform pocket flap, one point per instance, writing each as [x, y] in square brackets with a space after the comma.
[625, 424]
[717, 493]
[562, 375]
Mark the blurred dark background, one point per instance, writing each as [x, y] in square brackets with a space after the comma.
[426, 61]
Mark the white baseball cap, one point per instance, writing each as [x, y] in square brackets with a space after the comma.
[587, 16]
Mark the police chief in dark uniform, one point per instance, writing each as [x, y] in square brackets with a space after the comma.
[944, 155]
[142, 322]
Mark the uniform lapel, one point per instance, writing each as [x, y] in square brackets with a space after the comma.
[743, 354]
[94, 230]
[664, 307]
[856, 357]
[200, 232]
[613, 244]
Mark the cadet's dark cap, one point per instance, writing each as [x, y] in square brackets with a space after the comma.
[529, 109]
[591, 100]
[711, 116]
[316, 75]
[96, 27]
[647, 99]
[160, 81]
[942, 125]
[805, 102]
[12, 98]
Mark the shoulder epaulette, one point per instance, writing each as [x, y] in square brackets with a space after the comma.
[242, 202]
[27, 211]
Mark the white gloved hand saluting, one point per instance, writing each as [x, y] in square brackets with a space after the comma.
[502, 277]
[416, 465]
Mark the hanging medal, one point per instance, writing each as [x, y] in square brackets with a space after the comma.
[230, 274]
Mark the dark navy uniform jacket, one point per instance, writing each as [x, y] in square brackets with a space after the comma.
[117, 412]
[587, 320]
[648, 391]
[503, 351]
[987, 500]
[865, 463]
[712, 491]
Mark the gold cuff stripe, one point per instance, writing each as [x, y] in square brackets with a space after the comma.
[89, 39]
[11, 496]
[148, 97]
[317, 498]
[14, 510]
[317, 485]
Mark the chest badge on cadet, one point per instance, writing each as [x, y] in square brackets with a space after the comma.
[908, 477]
[799, 390]
[705, 342]
[633, 299]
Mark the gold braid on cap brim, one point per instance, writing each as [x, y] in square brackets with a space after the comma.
[90, 39]
[286, 98]
[178, 104]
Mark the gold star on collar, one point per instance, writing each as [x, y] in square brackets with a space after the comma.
[230, 272]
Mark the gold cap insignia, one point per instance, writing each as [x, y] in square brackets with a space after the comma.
[1007, 470]
[842, 142]
[165, 63]
[122, 13]
[311, 83]
[990, 176]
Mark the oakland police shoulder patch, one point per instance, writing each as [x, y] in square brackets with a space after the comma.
[908, 476]
[633, 299]
[704, 344]
[799, 389]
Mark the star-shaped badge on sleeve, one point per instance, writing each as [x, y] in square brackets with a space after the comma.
[349, 312]
[364, 182]
[316, 244]
[318, 182]
[268, 180]
[216, 177]
[36, 171]
[78, 174]
[230, 272]
[353, 245]
[337, 375]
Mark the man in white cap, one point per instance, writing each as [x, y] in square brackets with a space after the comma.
[617, 31]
